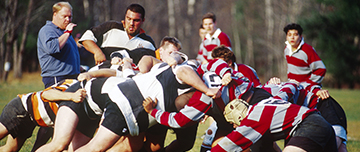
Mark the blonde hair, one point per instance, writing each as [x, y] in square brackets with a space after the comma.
[59, 5]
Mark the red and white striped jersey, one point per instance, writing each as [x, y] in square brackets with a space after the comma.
[249, 73]
[295, 94]
[285, 90]
[220, 67]
[210, 42]
[42, 111]
[199, 104]
[273, 115]
[304, 65]
[200, 57]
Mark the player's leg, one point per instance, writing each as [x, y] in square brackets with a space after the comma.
[3, 131]
[16, 122]
[155, 137]
[185, 139]
[128, 143]
[111, 129]
[293, 149]
[314, 133]
[13, 144]
[43, 135]
[78, 140]
[102, 141]
[65, 126]
[209, 136]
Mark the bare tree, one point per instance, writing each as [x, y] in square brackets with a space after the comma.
[18, 54]
[171, 13]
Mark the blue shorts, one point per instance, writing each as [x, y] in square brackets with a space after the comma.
[49, 81]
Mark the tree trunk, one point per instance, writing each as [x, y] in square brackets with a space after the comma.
[269, 20]
[10, 29]
[171, 13]
[237, 44]
[18, 54]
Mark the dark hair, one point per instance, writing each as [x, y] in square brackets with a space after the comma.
[137, 9]
[201, 26]
[293, 26]
[209, 15]
[223, 51]
[172, 40]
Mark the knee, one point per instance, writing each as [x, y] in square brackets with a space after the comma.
[9, 148]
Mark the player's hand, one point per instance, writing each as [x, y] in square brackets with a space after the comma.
[274, 80]
[294, 81]
[226, 79]
[202, 121]
[116, 61]
[78, 96]
[149, 105]
[99, 58]
[84, 76]
[70, 26]
[323, 94]
[170, 61]
[214, 93]
[127, 63]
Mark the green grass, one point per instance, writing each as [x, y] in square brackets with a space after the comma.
[348, 99]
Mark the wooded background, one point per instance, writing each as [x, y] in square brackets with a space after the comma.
[255, 28]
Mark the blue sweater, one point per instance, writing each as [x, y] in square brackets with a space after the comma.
[53, 60]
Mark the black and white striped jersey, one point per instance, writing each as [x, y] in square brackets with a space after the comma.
[111, 36]
[160, 83]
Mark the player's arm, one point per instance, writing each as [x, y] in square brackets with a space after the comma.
[91, 46]
[96, 74]
[146, 63]
[190, 77]
[198, 105]
[57, 95]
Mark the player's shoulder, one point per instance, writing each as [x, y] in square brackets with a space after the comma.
[112, 24]
[146, 37]
[307, 48]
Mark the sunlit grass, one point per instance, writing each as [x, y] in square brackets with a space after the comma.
[348, 99]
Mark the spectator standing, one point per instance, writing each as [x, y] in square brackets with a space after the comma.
[202, 33]
[303, 63]
[214, 37]
[57, 50]
[116, 36]
[58, 55]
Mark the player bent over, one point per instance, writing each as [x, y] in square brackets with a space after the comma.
[305, 128]
[23, 113]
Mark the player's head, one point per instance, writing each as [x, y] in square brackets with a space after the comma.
[134, 18]
[209, 22]
[62, 14]
[168, 45]
[293, 26]
[293, 34]
[235, 111]
[224, 53]
[202, 32]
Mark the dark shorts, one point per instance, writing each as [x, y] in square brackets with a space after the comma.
[259, 94]
[314, 134]
[88, 123]
[17, 120]
[114, 120]
[332, 112]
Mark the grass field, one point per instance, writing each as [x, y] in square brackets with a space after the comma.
[349, 100]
